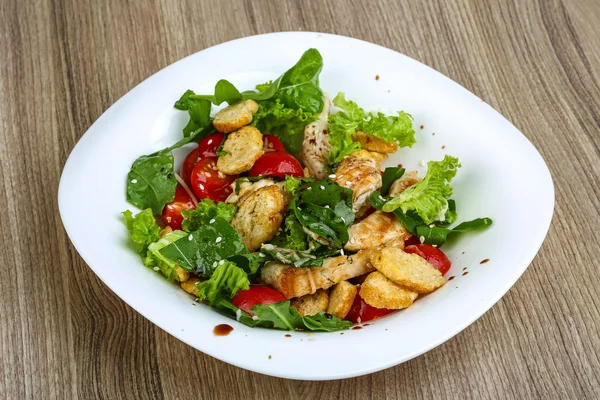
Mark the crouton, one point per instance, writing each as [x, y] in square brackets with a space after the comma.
[243, 148]
[259, 216]
[182, 274]
[341, 298]
[372, 143]
[235, 116]
[407, 270]
[190, 285]
[379, 292]
[311, 304]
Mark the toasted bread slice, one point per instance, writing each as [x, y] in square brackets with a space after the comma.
[341, 298]
[379, 292]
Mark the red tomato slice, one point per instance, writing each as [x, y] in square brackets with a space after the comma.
[246, 299]
[276, 164]
[413, 239]
[188, 165]
[433, 255]
[272, 143]
[171, 215]
[207, 182]
[361, 312]
[209, 145]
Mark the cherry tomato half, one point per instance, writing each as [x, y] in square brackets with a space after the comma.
[433, 255]
[272, 143]
[362, 312]
[246, 299]
[188, 165]
[413, 239]
[209, 145]
[171, 215]
[208, 182]
[276, 164]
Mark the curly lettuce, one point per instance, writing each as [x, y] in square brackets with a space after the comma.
[157, 261]
[143, 229]
[428, 198]
[204, 212]
[225, 282]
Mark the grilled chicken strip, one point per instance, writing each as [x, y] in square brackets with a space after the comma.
[292, 281]
[246, 188]
[404, 182]
[316, 147]
[360, 172]
[376, 230]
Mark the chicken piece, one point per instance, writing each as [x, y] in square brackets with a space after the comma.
[294, 282]
[190, 285]
[379, 292]
[243, 148]
[379, 157]
[407, 270]
[360, 172]
[316, 146]
[246, 189]
[259, 216]
[375, 230]
[372, 143]
[182, 274]
[311, 304]
[402, 183]
[341, 298]
[235, 116]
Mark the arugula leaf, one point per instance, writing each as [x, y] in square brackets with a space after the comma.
[428, 197]
[205, 211]
[225, 282]
[182, 103]
[154, 259]
[284, 122]
[323, 222]
[143, 229]
[298, 258]
[199, 110]
[438, 235]
[351, 118]
[390, 175]
[201, 251]
[224, 91]
[151, 182]
[282, 316]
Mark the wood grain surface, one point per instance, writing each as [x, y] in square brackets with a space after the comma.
[64, 334]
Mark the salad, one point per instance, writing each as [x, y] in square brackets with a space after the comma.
[281, 215]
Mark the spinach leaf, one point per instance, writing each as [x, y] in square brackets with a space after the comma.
[438, 235]
[282, 316]
[151, 182]
[203, 249]
[390, 175]
[298, 258]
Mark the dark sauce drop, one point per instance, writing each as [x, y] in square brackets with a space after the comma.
[366, 324]
[465, 273]
[222, 330]
[288, 335]
[355, 328]
[376, 77]
[452, 277]
[484, 261]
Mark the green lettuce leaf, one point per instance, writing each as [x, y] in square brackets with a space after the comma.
[226, 280]
[143, 229]
[155, 260]
[428, 197]
[151, 182]
[205, 211]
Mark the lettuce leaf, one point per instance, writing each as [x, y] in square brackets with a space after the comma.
[428, 197]
[286, 123]
[143, 229]
[282, 316]
[351, 118]
[226, 280]
[204, 212]
[157, 261]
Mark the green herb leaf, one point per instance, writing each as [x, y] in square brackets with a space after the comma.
[143, 229]
[226, 280]
[390, 175]
[182, 103]
[151, 182]
[438, 235]
[201, 251]
[282, 316]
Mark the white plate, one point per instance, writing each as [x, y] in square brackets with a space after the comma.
[503, 177]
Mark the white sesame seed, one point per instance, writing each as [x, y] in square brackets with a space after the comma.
[434, 245]
[309, 188]
[352, 240]
[343, 220]
[218, 239]
[156, 268]
[191, 237]
[431, 225]
[214, 264]
[422, 163]
[332, 176]
[201, 186]
[210, 141]
[261, 255]
[221, 262]
[169, 219]
[212, 221]
[342, 251]
[134, 181]
[207, 174]
[348, 183]
[322, 187]
[326, 206]
[422, 239]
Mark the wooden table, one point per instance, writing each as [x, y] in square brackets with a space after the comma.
[63, 334]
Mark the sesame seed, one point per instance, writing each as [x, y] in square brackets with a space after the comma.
[221, 262]
[210, 141]
[343, 220]
[156, 268]
[352, 240]
[422, 163]
[201, 186]
[191, 237]
[169, 219]
[342, 251]
[309, 188]
[348, 183]
[332, 176]
[431, 225]
[422, 239]
[214, 264]
[212, 221]
[218, 239]
[326, 206]
[134, 181]
[434, 245]
[207, 174]
[322, 187]
[261, 255]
